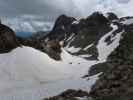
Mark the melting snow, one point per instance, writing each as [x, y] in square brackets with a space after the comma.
[85, 56]
[82, 98]
[75, 22]
[87, 47]
[73, 49]
[103, 49]
[70, 38]
[28, 74]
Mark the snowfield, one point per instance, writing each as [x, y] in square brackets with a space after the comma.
[28, 74]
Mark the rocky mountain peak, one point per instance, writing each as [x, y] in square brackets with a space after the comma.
[97, 18]
[111, 16]
[62, 26]
[64, 20]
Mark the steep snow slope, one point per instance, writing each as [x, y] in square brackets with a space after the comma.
[25, 71]
[104, 50]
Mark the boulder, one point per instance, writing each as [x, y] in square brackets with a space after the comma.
[8, 40]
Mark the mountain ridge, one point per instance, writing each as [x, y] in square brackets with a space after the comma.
[103, 38]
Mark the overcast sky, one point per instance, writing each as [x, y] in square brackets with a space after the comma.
[36, 8]
[48, 10]
[53, 8]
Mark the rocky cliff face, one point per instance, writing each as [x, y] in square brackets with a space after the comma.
[8, 40]
[116, 81]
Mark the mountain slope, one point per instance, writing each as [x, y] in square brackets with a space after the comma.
[116, 82]
[28, 72]
[114, 52]
[81, 37]
[100, 44]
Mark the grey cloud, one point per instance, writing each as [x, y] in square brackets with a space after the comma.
[48, 10]
[13, 8]
[123, 1]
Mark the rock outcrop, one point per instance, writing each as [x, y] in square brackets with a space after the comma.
[52, 49]
[116, 82]
[62, 28]
[8, 40]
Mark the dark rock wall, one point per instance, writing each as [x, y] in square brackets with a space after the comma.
[8, 40]
[116, 83]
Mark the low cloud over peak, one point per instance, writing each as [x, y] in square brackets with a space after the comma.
[49, 10]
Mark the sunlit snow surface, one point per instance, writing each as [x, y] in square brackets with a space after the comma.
[28, 74]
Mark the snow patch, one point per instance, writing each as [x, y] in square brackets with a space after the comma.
[87, 47]
[82, 98]
[71, 37]
[85, 56]
[75, 22]
[103, 49]
[73, 49]
[28, 74]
